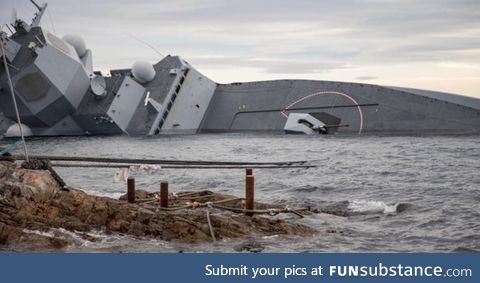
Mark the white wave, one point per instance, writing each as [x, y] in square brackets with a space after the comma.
[114, 195]
[370, 207]
[40, 233]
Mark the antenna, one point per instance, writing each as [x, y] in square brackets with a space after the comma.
[17, 23]
[38, 16]
[20, 25]
[156, 51]
[36, 5]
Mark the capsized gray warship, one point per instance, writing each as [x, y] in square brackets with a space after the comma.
[59, 93]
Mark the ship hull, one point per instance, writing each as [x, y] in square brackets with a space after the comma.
[365, 108]
[57, 93]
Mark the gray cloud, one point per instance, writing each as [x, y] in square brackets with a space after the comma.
[366, 78]
[276, 36]
[269, 65]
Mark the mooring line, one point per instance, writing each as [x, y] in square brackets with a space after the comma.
[210, 227]
[77, 165]
[150, 161]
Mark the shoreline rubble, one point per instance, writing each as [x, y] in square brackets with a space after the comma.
[32, 200]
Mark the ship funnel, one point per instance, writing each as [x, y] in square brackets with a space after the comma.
[143, 72]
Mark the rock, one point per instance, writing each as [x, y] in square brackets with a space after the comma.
[31, 199]
[3, 170]
[136, 229]
[250, 245]
[58, 243]
[37, 164]
[38, 185]
[8, 232]
[401, 207]
[338, 208]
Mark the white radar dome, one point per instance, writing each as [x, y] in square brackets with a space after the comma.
[143, 72]
[14, 131]
[77, 42]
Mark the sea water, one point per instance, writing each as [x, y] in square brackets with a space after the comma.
[438, 176]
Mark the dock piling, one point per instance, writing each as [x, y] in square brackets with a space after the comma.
[131, 189]
[164, 194]
[249, 193]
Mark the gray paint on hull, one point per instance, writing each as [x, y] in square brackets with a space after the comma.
[246, 107]
[191, 104]
[449, 97]
[126, 102]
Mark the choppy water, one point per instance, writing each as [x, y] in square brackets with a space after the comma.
[438, 175]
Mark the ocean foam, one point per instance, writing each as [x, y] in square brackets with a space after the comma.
[370, 207]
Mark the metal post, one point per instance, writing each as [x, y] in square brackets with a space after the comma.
[131, 189]
[164, 194]
[249, 172]
[249, 194]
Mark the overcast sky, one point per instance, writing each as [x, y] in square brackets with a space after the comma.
[432, 44]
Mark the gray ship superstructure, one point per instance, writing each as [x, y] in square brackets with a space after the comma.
[58, 93]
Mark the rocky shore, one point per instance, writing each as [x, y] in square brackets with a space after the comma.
[32, 200]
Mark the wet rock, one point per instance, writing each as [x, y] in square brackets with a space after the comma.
[8, 233]
[338, 208]
[88, 237]
[58, 243]
[250, 245]
[33, 200]
[136, 229]
[3, 170]
[401, 207]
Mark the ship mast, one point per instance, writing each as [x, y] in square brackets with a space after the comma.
[21, 26]
[38, 16]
